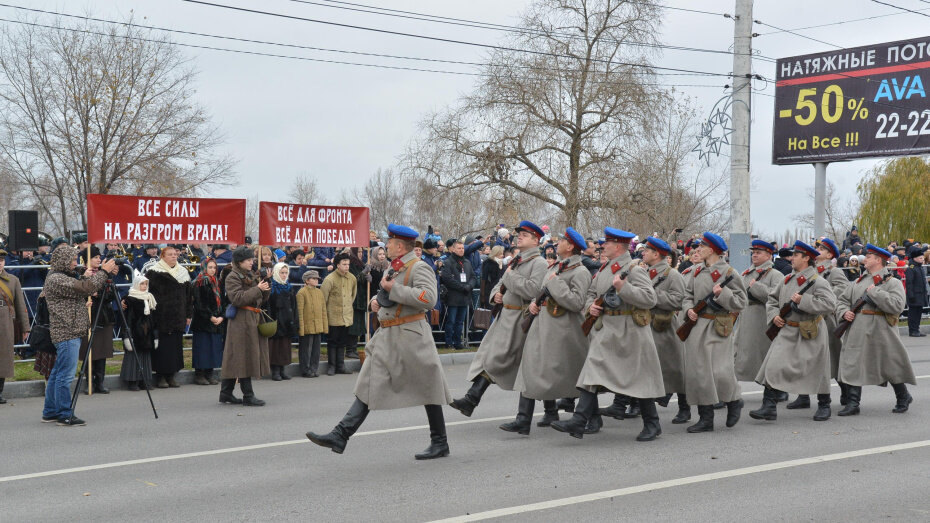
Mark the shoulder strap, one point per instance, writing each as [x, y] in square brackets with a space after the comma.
[6, 291]
[407, 266]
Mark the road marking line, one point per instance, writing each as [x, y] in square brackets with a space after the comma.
[229, 450]
[690, 480]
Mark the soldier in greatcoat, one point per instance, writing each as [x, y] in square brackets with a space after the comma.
[402, 368]
[709, 356]
[872, 350]
[751, 342]
[12, 318]
[670, 293]
[555, 347]
[498, 357]
[798, 360]
[828, 250]
[622, 357]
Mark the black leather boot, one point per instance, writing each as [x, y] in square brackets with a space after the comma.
[439, 444]
[768, 411]
[684, 410]
[844, 393]
[823, 407]
[781, 397]
[2, 382]
[705, 422]
[594, 424]
[99, 372]
[651, 428]
[719, 405]
[248, 396]
[337, 438]
[467, 403]
[227, 386]
[903, 398]
[853, 395]
[632, 411]
[524, 418]
[803, 401]
[618, 408]
[663, 401]
[275, 373]
[587, 406]
[734, 410]
[566, 404]
[551, 414]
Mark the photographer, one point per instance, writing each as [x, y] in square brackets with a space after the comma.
[103, 333]
[12, 318]
[68, 322]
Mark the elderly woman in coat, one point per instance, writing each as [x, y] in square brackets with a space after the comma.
[245, 355]
[402, 368]
[12, 315]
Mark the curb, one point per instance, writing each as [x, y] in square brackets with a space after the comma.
[36, 388]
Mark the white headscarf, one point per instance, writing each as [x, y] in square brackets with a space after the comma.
[178, 272]
[145, 296]
[276, 273]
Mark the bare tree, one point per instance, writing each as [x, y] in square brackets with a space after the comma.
[102, 109]
[385, 195]
[304, 190]
[840, 215]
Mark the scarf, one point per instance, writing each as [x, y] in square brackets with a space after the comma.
[144, 296]
[279, 284]
[178, 272]
[203, 280]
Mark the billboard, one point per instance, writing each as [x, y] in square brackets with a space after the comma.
[863, 102]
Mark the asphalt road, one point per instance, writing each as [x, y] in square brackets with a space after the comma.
[205, 461]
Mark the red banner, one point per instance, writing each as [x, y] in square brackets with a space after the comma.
[313, 225]
[142, 219]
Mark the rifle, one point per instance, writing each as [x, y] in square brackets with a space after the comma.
[383, 296]
[785, 310]
[759, 276]
[530, 318]
[685, 330]
[589, 320]
[844, 323]
[496, 309]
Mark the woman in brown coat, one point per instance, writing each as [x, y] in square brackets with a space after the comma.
[245, 355]
[12, 314]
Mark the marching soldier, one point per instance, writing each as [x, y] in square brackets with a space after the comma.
[555, 347]
[670, 292]
[799, 358]
[872, 350]
[498, 357]
[402, 368]
[751, 342]
[622, 357]
[828, 250]
[709, 374]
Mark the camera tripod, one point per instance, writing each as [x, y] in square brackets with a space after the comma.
[108, 289]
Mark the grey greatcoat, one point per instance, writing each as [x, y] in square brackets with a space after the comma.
[555, 347]
[670, 292]
[622, 356]
[709, 374]
[872, 350]
[403, 368]
[838, 283]
[751, 342]
[11, 315]
[501, 349]
[795, 364]
[245, 354]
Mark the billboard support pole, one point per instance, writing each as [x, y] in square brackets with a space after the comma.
[820, 199]
[739, 151]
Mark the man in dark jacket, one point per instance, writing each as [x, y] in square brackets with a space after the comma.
[916, 288]
[782, 264]
[458, 277]
[589, 258]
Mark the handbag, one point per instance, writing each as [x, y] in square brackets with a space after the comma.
[482, 319]
[231, 311]
[269, 327]
[40, 337]
[434, 317]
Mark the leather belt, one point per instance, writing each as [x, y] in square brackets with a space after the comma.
[872, 313]
[798, 324]
[514, 307]
[392, 322]
[251, 309]
[715, 316]
[617, 312]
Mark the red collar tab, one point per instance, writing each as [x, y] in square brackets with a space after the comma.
[788, 278]
[697, 271]
[876, 279]
[397, 264]
[602, 266]
[615, 267]
[715, 275]
[801, 280]
[652, 274]
[747, 271]
[821, 268]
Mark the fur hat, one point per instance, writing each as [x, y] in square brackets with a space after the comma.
[242, 254]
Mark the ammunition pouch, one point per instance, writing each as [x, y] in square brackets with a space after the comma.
[662, 320]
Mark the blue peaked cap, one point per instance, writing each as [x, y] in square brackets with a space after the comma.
[716, 242]
[762, 244]
[831, 245]
[877, 250]
[804, 248]
[576, 238]
[530, 227]
[658, 244]
[617, 234]
[401, 231]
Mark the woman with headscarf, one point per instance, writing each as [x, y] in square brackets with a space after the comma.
[282, 306]
[207, 324]
[140, 306]
[245, 354]
[170, 283]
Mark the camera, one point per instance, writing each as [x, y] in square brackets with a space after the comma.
[264, 273]
[117, 257]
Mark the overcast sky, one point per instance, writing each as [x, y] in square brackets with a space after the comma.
[340, 123]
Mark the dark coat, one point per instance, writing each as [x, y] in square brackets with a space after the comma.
[245, 354]
[783, 266]
[174, 303]
[490, 275]
[203, 308]
[142, 326]
[282, 306]
[459, 294]
[590, 263]
[915, 285]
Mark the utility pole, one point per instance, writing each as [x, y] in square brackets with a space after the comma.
[739, 148]
[820, 199]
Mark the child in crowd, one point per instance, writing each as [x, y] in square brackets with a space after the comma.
[311, 310]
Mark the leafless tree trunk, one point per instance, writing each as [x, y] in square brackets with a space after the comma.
[304, 190]
[102, 109]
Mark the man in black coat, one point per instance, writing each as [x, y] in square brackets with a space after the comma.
[781, 263]
[458, 277]
[915, 287]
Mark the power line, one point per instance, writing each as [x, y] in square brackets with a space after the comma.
[434, 38]
[903, 8]
[295, 46]
[789, 31]
[318, 60]
[840, 22]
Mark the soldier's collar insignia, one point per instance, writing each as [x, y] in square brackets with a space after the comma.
[397, 264]
[697, 271]
[801, 280]
[821, 268]
[788, 278]
[876, 279]
[652, 274]
[715, 275]
[615, 267]
[747, 271]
